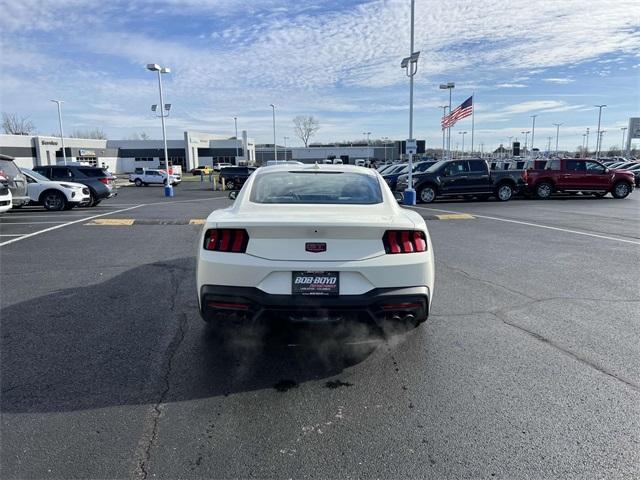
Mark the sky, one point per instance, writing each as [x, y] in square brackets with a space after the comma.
[338, 60]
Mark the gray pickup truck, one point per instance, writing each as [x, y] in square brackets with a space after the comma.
[465, 178]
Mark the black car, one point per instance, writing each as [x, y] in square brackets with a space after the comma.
[100, 182]
[234, 177]
[466, 178]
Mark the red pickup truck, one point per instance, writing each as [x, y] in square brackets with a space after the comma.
[573, 175]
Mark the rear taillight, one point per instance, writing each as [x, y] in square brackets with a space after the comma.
[226, 240]
[104, 180]
[525, 176]
[404, 241]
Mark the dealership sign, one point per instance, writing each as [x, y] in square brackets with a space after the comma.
[49, 142]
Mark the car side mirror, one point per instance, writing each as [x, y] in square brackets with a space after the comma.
[233, 194]
[399, 198]
[607, 170]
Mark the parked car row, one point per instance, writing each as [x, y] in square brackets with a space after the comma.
[55, 187]
[476, 178]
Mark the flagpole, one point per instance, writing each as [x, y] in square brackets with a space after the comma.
[473, 117]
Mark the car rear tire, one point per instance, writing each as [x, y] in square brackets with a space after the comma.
[53, 201]
[138, 182]
[621, 190]
[544, 190]
[93, 200]
[427, 194]
[504, 192]
[229, 185]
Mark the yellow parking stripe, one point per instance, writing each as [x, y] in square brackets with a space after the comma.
[197, 221]
[111, 221]
[455, 216]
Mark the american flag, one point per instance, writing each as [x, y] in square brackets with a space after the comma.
[463, 110]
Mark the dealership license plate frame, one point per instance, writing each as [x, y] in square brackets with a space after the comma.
[316, 289]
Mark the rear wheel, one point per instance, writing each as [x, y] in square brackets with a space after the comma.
[427, 194]
[621, 190]
[54, 201]
[505, 192]
[544, 190]
[229, 185]
[93, 200]
[138, 182]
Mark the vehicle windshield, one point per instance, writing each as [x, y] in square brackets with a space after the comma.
[35, 175]
[436, 166]
[316, 188]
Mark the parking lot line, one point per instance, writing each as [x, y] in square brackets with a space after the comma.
[11, 234]
[27, 223]
[29, 235]
[455, 216]
[197, 221]
[538, 225]
[111, 221]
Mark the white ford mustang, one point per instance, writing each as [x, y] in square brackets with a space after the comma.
[315, 242]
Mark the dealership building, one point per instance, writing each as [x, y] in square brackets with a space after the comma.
[123, 156]
[196, 148]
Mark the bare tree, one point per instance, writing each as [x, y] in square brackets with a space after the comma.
[305, 127]
[138, 136]
[15, 125]
[144, 136]
[96, 133]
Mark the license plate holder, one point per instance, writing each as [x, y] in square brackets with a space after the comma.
[315, 283]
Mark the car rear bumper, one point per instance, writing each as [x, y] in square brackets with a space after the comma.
[220, 303]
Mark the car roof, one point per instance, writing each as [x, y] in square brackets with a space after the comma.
[319, 167]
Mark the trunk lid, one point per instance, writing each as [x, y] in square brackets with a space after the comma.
[297, 232]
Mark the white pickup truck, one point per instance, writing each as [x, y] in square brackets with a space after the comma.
[149, 176]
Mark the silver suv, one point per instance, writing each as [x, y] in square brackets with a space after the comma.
[17, 180]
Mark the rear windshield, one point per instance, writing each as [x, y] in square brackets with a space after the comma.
[9, 168]
[317, 188]
[93, 172]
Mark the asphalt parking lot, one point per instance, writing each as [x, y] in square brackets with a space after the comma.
[529, 365]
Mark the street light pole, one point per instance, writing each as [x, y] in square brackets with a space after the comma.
[385, 140]
[64, 154]
[584, 135]
[368, 153]
[463, 134]
[448, 86]
[410, 64]
[444, 114]
[622, 149]
[154, 67]
[557, 135]
[235, 121]
[533, 133]
[275, 149]
[599, 137]
[526, 139]
[511, 146]
[586, 147]
[285, 147]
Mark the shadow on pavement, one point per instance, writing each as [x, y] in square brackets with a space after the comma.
[137, 338]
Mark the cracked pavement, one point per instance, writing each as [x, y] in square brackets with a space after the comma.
[529, 366]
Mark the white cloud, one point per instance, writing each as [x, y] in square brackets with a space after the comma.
[559, 81]
[511, 85]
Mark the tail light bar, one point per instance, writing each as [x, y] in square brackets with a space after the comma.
[233, 240]
[404, 241]
[104, 180]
